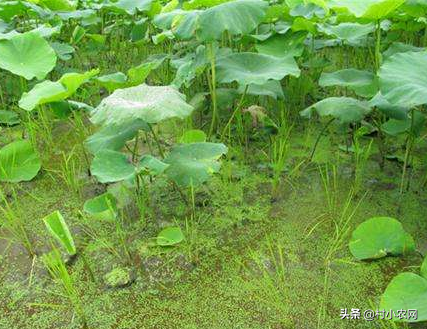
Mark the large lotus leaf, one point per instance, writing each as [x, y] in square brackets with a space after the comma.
[110, 166]
[253, 68]
[18, 162]
[283, 45]
[114, 137]
[391, 111]
[130, 7]
[370, 9]
[238, 17]
[9, 118]
[395, 127]
[399, 47]
[192, 164]
[407, 291]
[363, 83]
[403, 79]
[152, 104]
[378, 237]
[350, 32]
[49, 91]
[345, 109]
[27, 55]
[56, 225]
[182, 23]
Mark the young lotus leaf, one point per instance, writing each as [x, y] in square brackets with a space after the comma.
[101, 206]
[9, 118]
[406, 291]
[370, 9]
[192, 164]
[182, 23]
[271, 88]
[170, 236]
[112, 81]
[378, 237]
[345, 109]
[363, 83]
[110, 166]
[18, 162]
[403, 79]
[49, 91]
[152, 165]
[152, 104]
[114, 137]
[56, 225]
[138, 74]
[253, 68]
[27, 55]
[193, 136]
[352, 33]
[238, 17]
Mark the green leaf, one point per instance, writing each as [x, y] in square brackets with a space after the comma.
[101, 206]
[378, 237]
[49, 91]
[111, 166]
[170, 236]
[56, 225]
[151, 104]
[353, 33]
[271, 88]
[371, 9]
[192, 164]
[130, 7]
[253, 68]
[18, 162]
[395, 127]
[345, 109]
[114, 137]
[27, 55]
[423, 269]
[9, 118]
[391, 111]
[138, 74]
[112, 81]
[152, 165]
[238, 17]
[193, 136]
[403, 79]
[363, 83]
[407, 291]
[283, 45]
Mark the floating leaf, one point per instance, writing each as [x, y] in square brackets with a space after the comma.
[192, 164]
[345, 109]
[27, 55]
[403, 79]
[407, 291]
[170, 236]
[253, 68]
[18, 162]
[378, 237]
[152, 104]
[56, 225]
